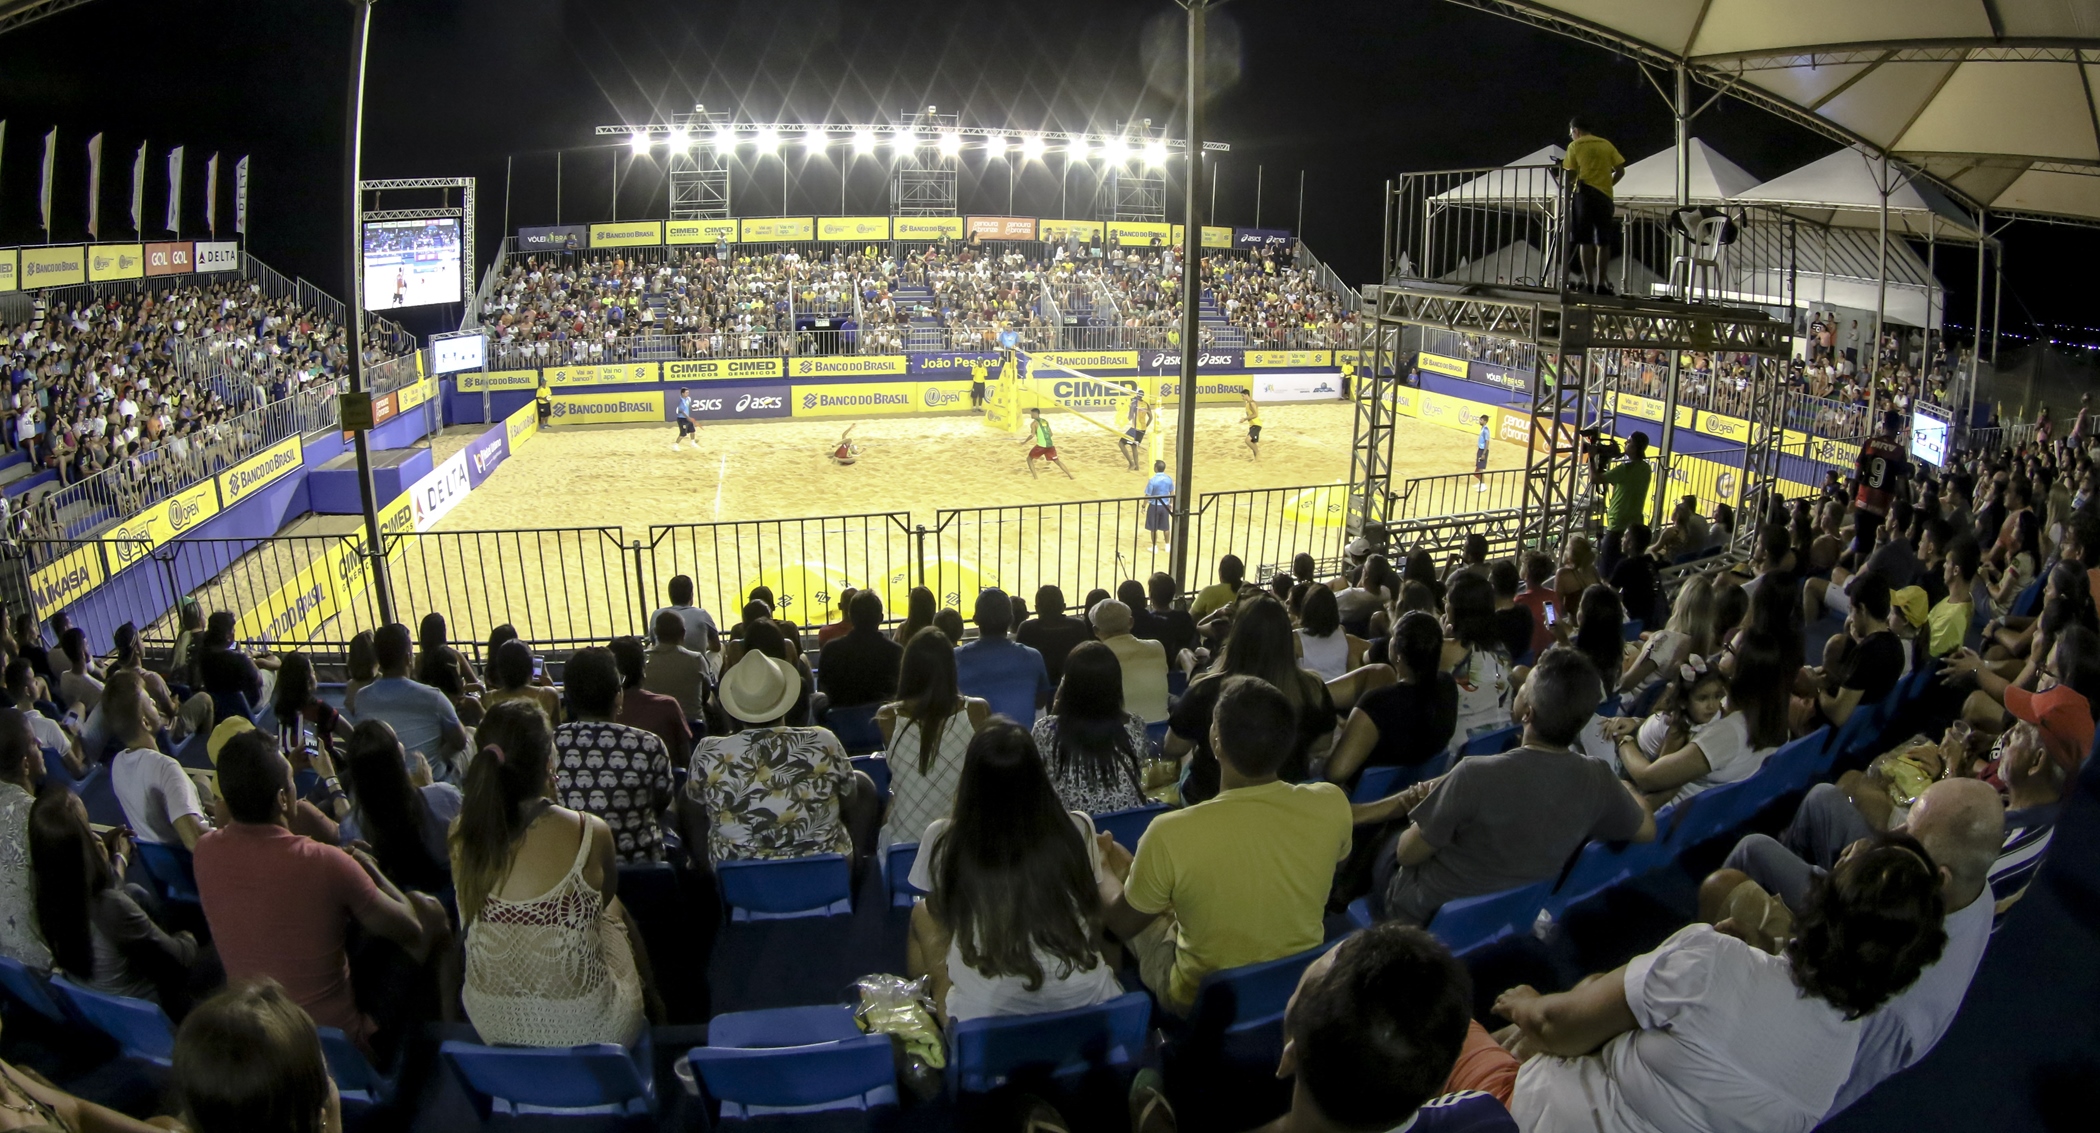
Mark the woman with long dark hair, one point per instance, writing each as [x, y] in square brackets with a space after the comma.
[1011, 926]
[296, 704]
[1724, 728]
[1324, 647]
[99, 936]
[925, 732]
[1476, 658]
[511, 678]
[405, 826]
[919, 609]
[1408, 722]
[434, 649]
[248, 1060]
[1260, 645]
[551, 960]
[1092, 748]
[362, 663]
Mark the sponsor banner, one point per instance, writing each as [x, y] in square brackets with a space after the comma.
[1139, 233]
[1092, 395]
[1169, 361]
[1408, 400]
[954, 363]
[554, 238]
[302, 606]
[116, 261]
[217, 255]
[179, 513]
[1002, 227]
[700, 231]
[773, 229]
[497, 379]
[848, 366]
[53, 267]
[1289, 359]
[408, 397]
[854, 399]
[1723, 426]
[1213, 236]
[522, 425]
[485, 452]
[1634, 405]
[1438, 364]
[168, 258]
[723, 369]
[618, 373]
[73, 574]
[1499, 376]
[599, 408]
[396, 519]
[440, 490]
[1211, 389]
[1261, 238]
[10, 270]
[942, 397]
[1088, 360]
[1513, 426]
[1297, 387]
[628, 234]
[853, 228]
[384, 408]
[717, 403]
[242, 480]
[929, 227]
[1055, 231]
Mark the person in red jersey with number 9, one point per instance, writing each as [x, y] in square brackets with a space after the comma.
[1882, 468]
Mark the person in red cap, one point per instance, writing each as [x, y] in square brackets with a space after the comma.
[2059, 705]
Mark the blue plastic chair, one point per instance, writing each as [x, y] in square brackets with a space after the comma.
[55, 768]
[575, 1081]
[818, 885]
[1360, 912]
[1796, 764]
[1465, 923]
[1495, 742]
[1178, 682]
[1156, 734]
[985, 1053]
[1127, 826]
[100, 795]
[877, 768]
[139, 1026]
[855, 728]
[1631, 629]
[1242, 1008]
[226, 705]
[793, 1060]
[30, 989]
[1376, 783]
[362, 1087]
[1860, 731]
[2026, 602]
[897, 862]
[172, 871]
[1719, 810]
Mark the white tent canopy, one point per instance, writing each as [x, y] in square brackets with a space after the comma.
[1714, 179]
[1524, 179]
[1993, 97]
[1844, 189]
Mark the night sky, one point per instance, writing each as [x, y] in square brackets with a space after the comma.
[1348, 91]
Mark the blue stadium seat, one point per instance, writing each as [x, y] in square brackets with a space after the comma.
[55, 768]
[100, 795]
[2027, 601]
[226, 705]
[1241, 1009]
[1796, 764]
[818, 885]
[1632, 629]
[986, 1052]
[172, 872]
[1720, 810]
[855, 728]
[139, 1026]
[793, 1060]
[575, 1081]
[1375, 783]
[29, 989]
[1177, 682]
[1464, 923]
[1360, 912]
[878, 769]
[1157, 734]
[361, 1086]
[1495, 742]
[897, 862]
[1127, 826]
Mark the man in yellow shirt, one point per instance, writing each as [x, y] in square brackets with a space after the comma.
[1597, 166]
[1239, 879]
[1948, 622]
[1222, 593]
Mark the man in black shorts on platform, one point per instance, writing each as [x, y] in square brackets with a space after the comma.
[1597, 166]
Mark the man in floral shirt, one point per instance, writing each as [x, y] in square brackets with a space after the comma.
[621, 774]
[771, 791]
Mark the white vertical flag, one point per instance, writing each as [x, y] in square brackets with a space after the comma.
[50, 160]
[138, 191]
[240, 196]
[94, 228]
[175, 190]
[211, 195]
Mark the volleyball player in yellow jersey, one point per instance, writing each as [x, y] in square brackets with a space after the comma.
[1253, 420]
[1132, 442]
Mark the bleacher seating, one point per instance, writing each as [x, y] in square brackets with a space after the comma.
[819, 885]
[582, 1081]
[1062, 1044]
[793, 1060]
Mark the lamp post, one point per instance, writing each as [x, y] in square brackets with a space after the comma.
[353, 208]
[1191, 294]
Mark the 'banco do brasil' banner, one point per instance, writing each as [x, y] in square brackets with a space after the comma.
[1088, 360]
[475, 382]
[1139, 233]
[628, 234]
[853, 228]
[1438, 364]
[619, 373]
[521, 426]
[929, 228]
[723, 369]
[857, 399]
[700, 231]
[1002, 227]
[116, 261]
[243, 479]
[594, 408]
[847, 366]
[1052, 231]
[773, 229]
[53, 267]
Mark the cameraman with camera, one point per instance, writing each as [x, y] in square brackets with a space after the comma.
[1628, 483]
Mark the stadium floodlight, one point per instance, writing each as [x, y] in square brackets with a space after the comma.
[815, 140]
[1155, 153]
[949, 145]
[679, 140]
[1116, 151]
[1032, 148]
[768, 140]
[904, 140]
[997, 147]
[725, 139]
[864, 142]
[1079, 150]
[640, 142]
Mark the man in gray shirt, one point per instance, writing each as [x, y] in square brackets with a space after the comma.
[421, 716]
[1496, 822]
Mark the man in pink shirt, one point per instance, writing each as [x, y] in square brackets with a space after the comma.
[280, 904]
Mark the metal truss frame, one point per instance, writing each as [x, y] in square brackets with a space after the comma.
[465, 213]
[923, 188]
[1132, 196]
[699, 185]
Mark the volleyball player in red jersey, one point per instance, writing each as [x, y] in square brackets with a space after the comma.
[1882, 468]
